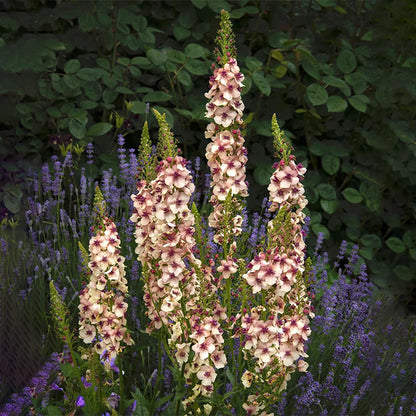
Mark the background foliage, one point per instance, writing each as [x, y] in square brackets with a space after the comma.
[340, 74]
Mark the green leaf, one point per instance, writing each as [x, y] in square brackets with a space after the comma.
[238, 13]
[404, 273]
[262, 83]
[319, 228]
[126, 16]
[103, 63]
[88, 104]
[371, 240]
[157, 96]
[124, 90]
[89, 74]
[138, 107]
[336, 104]
[99, 129]
[196, 67]
[366, 252]
[142, 62]
[181, 33]
[262, 174]
[12, 202]
[329, 206]
[346, 61]
[218, 5]
[87, 22]
[253, 64]
[352, 195]
[310, 65]
[77, 129]
[330, 164]
[316, 94]
[193, 51]
[71, 81]
[156, 57]
[359, 102]
[199, 4]
[93, 90]
[326, 191]
[357, 82]
[317, 148]
[280, 71]
[184, 78]
[72, 66]
[109, 96]
[337, 83]
[140, 23]
[395, 244]
[409, 238]
[176, 56]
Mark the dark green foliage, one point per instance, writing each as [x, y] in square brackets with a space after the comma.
[339, 74]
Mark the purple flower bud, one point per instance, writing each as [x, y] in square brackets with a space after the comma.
[80, 401]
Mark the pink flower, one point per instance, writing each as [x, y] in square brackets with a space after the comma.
[207, 375]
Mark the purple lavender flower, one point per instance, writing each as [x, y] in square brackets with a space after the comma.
[80, 402]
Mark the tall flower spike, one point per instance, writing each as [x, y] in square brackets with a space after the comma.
[225, 40]
[226, 154]
[280, 144]
[166, 145]
[147, 157]
[100, 207]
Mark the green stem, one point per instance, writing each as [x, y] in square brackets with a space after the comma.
[120, 367]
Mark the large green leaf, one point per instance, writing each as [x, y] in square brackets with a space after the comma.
[329, 206]
[72, 66]
[157, 96]
[262, 83]
[316, 94]
[156, 57]
[77, 129]
[326, 191]
[99, 129]
[193, 51]
[395, 244]
[336, 104]
[330, 164]
[359, 102]
[346, 61]
[352, 195]
[371, 240]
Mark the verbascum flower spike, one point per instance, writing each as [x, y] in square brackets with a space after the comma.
[166, 145]
[147, 157]
[276, 327]
[281, 145]
[226, 153]
[225, 40]
[102, 308]
[179, 294]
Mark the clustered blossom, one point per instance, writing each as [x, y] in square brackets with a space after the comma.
[174, 278]
[286, 189]
[102, 305]
[226, 153]
[164, 238]
[274, 337]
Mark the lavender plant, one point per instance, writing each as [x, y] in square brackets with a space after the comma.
[361, 354]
